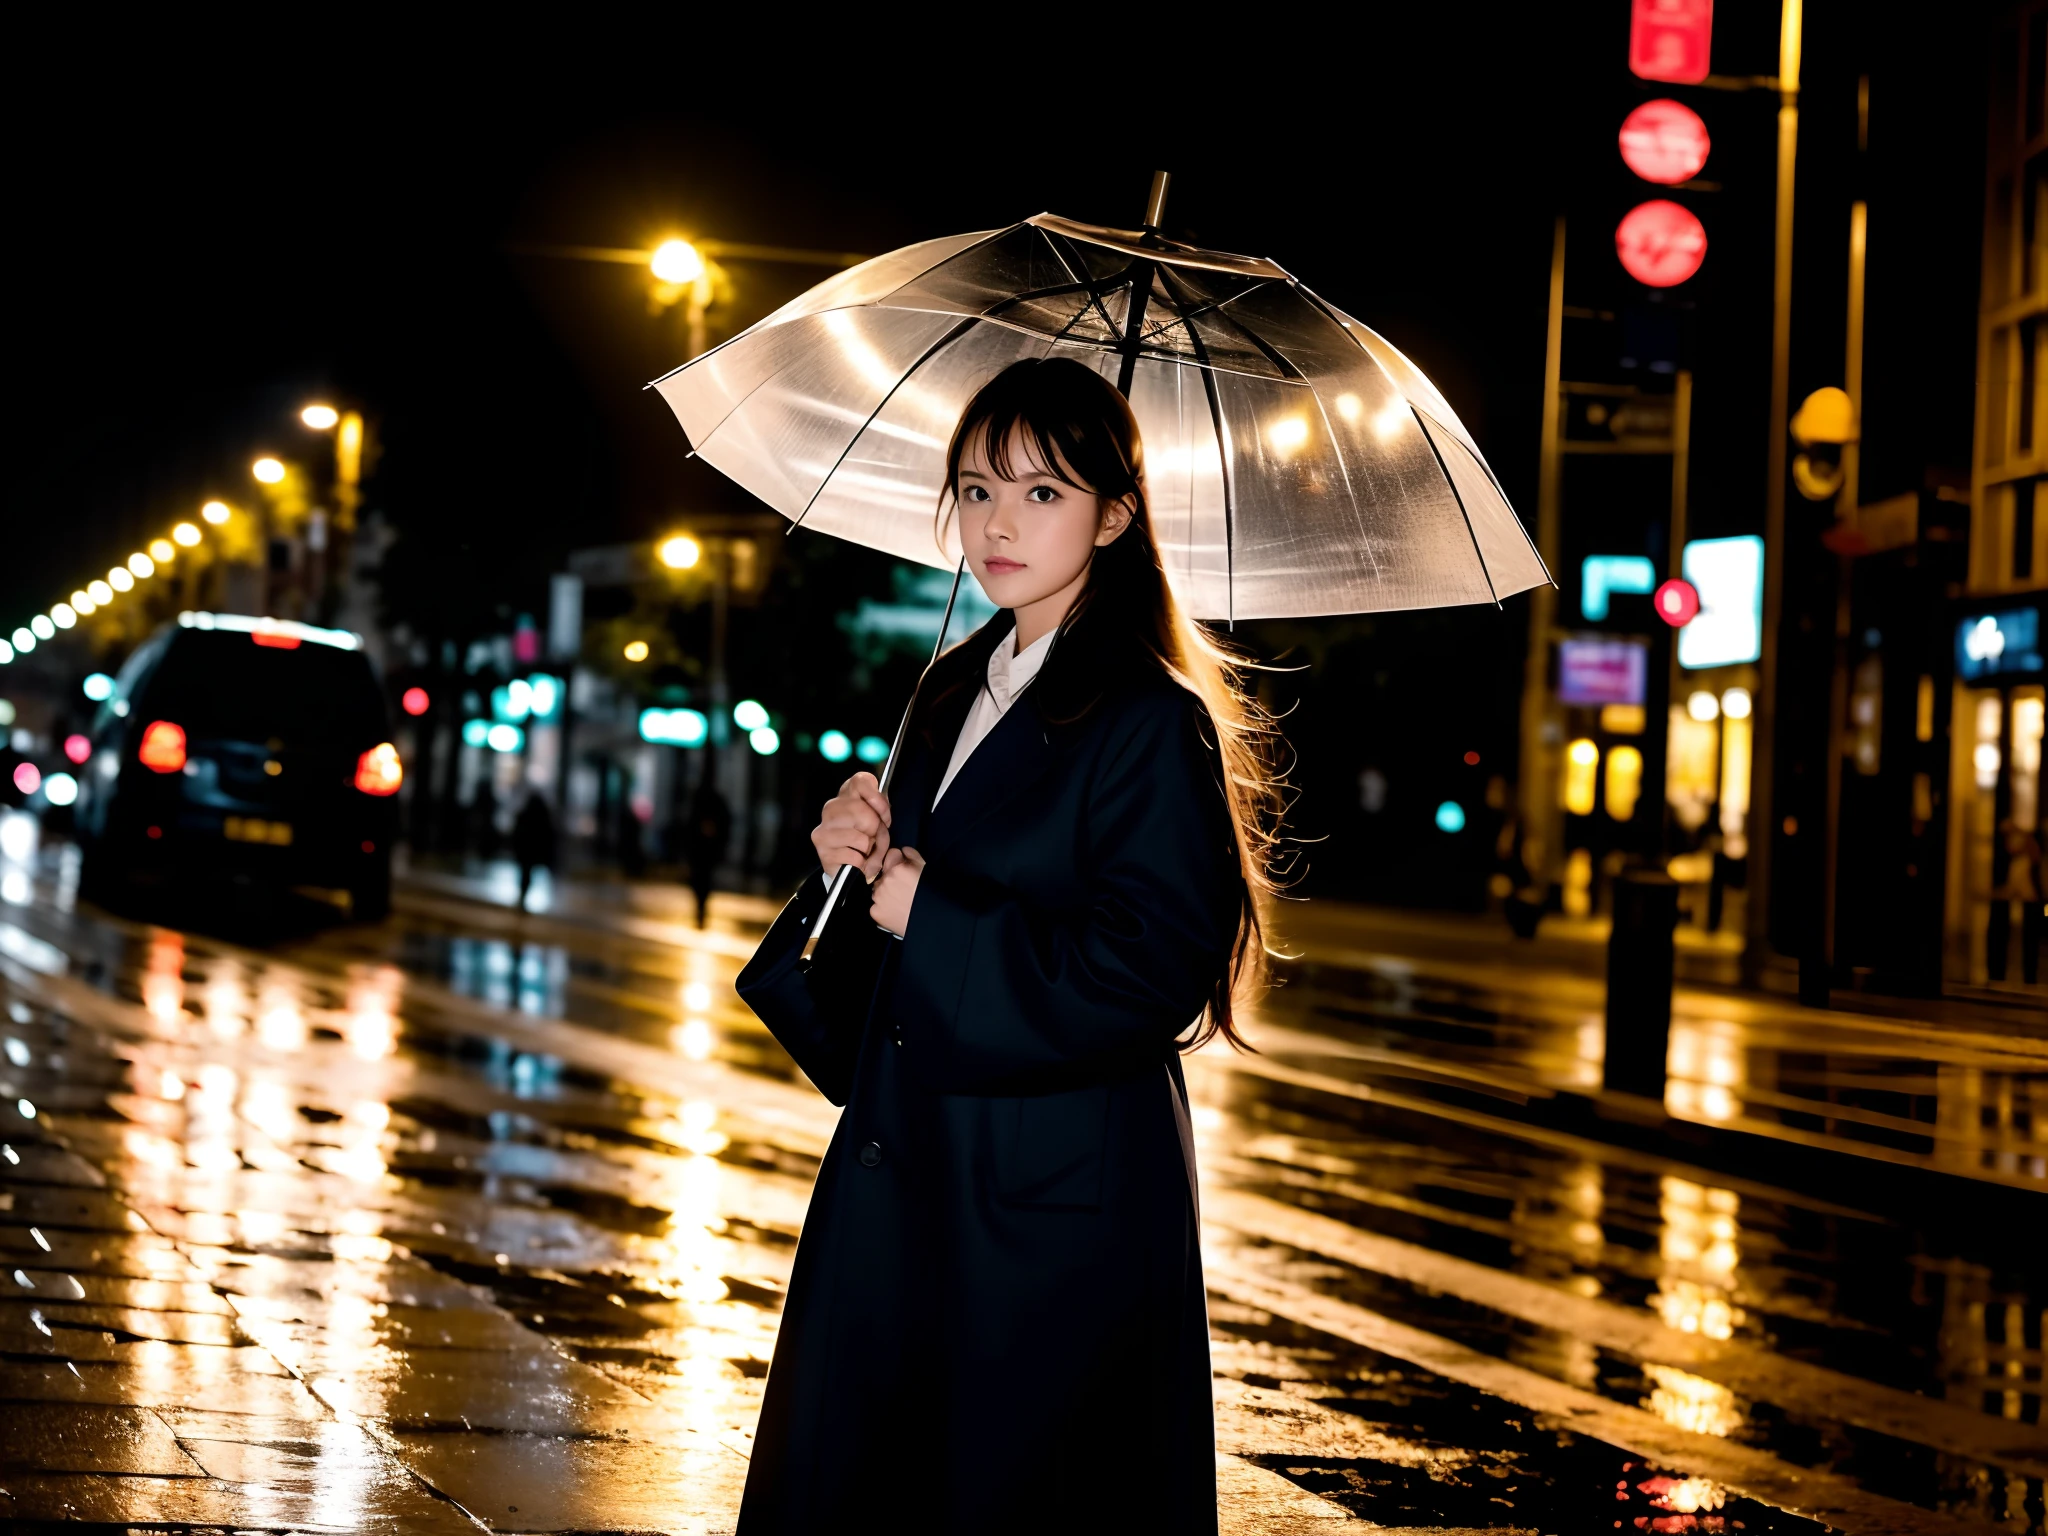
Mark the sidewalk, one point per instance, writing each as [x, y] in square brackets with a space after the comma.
[1446, 1015]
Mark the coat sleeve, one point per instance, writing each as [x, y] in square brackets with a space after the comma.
[817, 1013]
[999, 994]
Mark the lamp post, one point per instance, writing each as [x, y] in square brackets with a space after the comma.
[688, 271]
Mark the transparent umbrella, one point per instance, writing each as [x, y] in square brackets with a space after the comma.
[1297, 462]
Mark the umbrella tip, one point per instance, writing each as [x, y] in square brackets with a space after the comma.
[1155, 205]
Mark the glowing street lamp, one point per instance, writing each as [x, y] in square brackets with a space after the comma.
[215, 512]
[120, 579]
[320, 417]
[162, 551]
[141, 565]
[678, 262]
[99, 592]
[185, 534]
[681, 552]
[267, 470]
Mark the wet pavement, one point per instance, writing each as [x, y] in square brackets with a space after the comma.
[474, 1218]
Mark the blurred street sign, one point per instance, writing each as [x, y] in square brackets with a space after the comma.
[1602, 672]
[1728, 575]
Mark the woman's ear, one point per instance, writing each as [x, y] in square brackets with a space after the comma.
[1116, 517]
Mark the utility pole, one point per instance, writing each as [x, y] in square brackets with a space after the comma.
[1763, 799]
[1539, 798]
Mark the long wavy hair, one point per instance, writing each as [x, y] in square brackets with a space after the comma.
[1074, 425]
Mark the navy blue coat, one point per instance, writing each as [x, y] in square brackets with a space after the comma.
[997, 1319]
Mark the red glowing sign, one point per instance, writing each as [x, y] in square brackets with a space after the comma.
[1677, 603]
[77, 748]
[1671, 39]
[1665, 142]
[414, 701]
[1660, 243]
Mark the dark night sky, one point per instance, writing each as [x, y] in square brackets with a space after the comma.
[197, 251]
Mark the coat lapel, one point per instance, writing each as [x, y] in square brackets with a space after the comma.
[1010, 759]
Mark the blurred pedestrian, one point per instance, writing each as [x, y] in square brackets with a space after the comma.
[1003, 1239]
[705, 839]
[533, 840]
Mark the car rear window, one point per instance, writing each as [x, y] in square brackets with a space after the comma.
[222, 683]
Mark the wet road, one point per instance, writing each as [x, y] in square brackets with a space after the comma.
[474, 1218]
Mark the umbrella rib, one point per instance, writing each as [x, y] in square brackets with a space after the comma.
[929, 353]
[1422, 426]
[1445, 469]
[1091, 285]
[1188, 315]
[1222, 430]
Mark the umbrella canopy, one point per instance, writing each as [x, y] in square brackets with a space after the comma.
[1296, 462]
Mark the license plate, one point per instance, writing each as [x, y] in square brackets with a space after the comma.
[254, 829]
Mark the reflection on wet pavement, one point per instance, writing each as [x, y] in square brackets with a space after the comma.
[479, 1219]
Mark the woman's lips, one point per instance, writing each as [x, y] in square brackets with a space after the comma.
[1001, 567]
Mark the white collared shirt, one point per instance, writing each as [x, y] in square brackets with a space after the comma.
[1009, 673]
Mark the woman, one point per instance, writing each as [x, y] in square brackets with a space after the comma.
[997, 1320]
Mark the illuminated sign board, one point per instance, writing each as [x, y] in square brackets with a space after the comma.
[2002, 644]
[1728, 574]
[1601, 671]
[1603, 574]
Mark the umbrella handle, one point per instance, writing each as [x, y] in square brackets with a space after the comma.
[839, 880]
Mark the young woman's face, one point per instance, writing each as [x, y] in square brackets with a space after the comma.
[1029, 535]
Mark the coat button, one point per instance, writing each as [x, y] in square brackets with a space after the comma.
[871, 1154]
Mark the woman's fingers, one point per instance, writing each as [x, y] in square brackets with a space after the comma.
[853, 826]
[866, 789]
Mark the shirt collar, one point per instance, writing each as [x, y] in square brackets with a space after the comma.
[1010, 671]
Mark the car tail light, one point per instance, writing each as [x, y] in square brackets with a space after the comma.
[378, 771]
[163, 747]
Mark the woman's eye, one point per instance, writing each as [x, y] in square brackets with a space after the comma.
[1042, 493]
[976, 493]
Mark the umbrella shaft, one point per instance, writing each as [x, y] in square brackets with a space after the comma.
[888, 769]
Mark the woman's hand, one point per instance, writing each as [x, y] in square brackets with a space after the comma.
[890, 903]
[854, 828]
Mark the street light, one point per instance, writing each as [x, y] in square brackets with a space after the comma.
[268, 470]
[681, 552]
[678, 262]
[320, 417]
[162, 551]
[215, 512]
[141, 565]
[185, 534]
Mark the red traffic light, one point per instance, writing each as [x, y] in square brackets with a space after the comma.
[1671, 40]
[1677, 602]
[1660, 244]
[1665, 142]
[414, 701]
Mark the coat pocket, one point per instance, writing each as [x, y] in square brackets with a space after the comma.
[1049, 1149]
